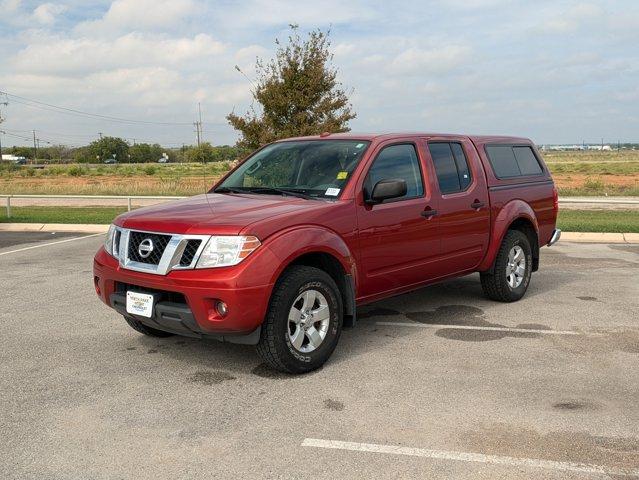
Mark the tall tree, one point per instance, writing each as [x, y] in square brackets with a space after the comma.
[298, 93]
[106, 147]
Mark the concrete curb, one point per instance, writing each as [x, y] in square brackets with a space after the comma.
[596, 237]
[52, 227]
[577, 237]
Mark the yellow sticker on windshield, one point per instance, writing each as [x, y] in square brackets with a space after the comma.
[342, 175]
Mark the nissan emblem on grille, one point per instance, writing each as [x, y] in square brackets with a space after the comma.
[145, 248]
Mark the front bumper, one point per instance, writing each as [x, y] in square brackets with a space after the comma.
[187, 298]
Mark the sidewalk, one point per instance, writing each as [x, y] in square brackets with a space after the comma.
[578, 237]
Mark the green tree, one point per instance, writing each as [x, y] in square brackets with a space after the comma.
[298, 94]
[144, 152]
[106, 147]
[202, 154]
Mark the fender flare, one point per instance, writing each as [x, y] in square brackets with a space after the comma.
[290, 244]
[512, 211]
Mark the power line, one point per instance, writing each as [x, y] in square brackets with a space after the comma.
[71, 111]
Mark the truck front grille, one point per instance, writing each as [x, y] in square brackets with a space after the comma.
[189, 252]
[158, 245]
[157, 252]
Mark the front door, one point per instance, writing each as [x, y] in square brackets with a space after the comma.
[464, 209]
[397, 238]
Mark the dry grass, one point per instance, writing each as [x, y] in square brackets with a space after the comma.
[576, 173]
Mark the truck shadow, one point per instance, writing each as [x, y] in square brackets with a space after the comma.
[455, 302]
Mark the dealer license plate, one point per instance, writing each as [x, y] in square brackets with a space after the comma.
[139, 304]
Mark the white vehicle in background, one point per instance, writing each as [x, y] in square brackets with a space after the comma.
[14, 159]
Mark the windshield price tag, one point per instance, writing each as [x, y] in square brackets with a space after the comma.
[332, 192]
[342, 175]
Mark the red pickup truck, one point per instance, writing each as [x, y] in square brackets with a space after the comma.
[283, 249]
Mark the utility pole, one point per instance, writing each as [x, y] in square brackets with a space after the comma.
[198, 125]
[100, 133]
[5, 103]
[35, 148]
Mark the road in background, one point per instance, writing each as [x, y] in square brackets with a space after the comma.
[472, 389]
[572, 203]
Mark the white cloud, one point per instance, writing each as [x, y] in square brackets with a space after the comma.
[68, 56]
[46, 13]
[438, 60]
[10, 6]
[140, 15]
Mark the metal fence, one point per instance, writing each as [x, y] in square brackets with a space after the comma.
[128, 198]
[131, 198]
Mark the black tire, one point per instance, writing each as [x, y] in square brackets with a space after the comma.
[151, 332]
[275, 346]
[495, 285]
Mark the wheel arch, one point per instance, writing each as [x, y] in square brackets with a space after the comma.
[323, 249]
[515, 215]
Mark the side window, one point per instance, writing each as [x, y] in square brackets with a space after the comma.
[513, 161]
[502, 158]
[397, 161]
[527, 161]
[451, 166]
[462, 165]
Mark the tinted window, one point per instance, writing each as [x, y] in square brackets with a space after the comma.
[502, 158]
[397, 162]
[527, 161]
[451, 165]
[512, 161]
[462, 165]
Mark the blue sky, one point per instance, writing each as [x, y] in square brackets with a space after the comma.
[557, 72]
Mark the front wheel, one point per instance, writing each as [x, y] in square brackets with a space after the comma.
[303, 322]
[512, 270]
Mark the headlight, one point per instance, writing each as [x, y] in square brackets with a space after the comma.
[226, 251]
[111, 242]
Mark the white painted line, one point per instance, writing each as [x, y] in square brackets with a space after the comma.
[473, 327]
[469, 457]
[50, 243]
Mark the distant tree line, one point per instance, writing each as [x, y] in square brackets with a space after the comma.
[116, 148]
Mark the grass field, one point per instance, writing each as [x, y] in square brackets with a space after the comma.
[576, 173]
[620, 221]
[92, 215]
[623, 221]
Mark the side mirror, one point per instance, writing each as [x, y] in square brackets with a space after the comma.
[387, 189]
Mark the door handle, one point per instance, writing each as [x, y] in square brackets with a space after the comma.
[428, 213]
[477, 204]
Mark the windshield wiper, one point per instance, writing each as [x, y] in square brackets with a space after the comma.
[281, 191]
[229, 190]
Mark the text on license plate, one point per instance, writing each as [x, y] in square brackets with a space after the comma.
[139, 304]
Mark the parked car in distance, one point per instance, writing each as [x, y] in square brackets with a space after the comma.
[284, 248]
[110, 161]
[163, 160]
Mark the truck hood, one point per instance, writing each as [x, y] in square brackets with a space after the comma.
[215, 213]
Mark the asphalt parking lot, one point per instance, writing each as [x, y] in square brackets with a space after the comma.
[439, 383]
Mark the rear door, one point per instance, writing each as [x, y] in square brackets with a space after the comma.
[463, 203]
[397, 238]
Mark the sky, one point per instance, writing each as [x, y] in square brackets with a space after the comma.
[553, 71]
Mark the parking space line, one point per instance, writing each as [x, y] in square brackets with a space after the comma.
[50, 243]
[474, 327]
[469, 457]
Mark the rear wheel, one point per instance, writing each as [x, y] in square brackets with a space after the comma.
[303, 322]
[151, 332]
[512, 270]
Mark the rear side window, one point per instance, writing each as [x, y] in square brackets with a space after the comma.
[397, 162]
[528, 164]
[451, 166]
[513, 161]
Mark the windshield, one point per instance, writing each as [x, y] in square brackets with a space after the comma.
[309, 168]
